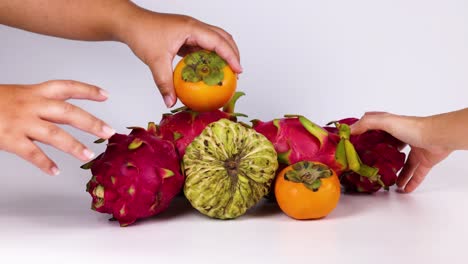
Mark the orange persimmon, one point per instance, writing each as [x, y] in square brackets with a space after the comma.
[203, 81]
[307, 190]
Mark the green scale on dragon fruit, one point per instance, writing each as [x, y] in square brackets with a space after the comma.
[183, 125]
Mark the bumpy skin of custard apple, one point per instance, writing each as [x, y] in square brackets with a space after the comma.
[228, 168]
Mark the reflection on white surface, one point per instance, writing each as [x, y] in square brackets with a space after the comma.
[385, 227]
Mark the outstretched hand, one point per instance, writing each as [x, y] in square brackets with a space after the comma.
[31, 113]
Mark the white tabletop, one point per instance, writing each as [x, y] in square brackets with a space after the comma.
[427, 226]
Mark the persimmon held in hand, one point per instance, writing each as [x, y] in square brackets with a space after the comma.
[307, 190]
[203, 81]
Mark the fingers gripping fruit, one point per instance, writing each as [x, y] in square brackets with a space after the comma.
[307, 190]
[203, 81]
[136, 177]
[378, 149]
[228, 169]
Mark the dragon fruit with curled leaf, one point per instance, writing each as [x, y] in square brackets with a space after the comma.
[376, 148]
[365, 163]
[296, 138]
[136, 177]
[183, 125]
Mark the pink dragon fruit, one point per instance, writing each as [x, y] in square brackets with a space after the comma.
[183, 125]
[294, 142]
[378, 149]
[297, 139]
[136, 177]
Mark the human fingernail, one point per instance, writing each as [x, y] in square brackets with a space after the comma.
[88, 153]
[108, 130]
[55, 171]
[168, 100]
[104, 93]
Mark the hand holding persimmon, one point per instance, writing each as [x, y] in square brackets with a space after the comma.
[203, 81]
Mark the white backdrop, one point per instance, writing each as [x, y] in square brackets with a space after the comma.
[323, 59]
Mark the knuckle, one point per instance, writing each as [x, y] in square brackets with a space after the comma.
[163, 84]
[59, 84]
[75, 147]
[96, 125]
[9, 131]
[376, 120]
[50, 83]
[90, 91]
[229, 37]
[46, 163]
[417, 179]
[230, 57]
[68, 108]
[188, 21]
[69, 83]
[21, 103]
[53, 131]
[21, 145]
[5, 142]
[400, 183]
[385, 115]
[224, 50]
[94, 90]
[60, 88]
[160, 67]
[34, 154]
[218, 40]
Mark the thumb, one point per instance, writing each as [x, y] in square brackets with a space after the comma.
[162, 71]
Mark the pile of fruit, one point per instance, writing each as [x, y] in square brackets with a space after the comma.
[223, 166]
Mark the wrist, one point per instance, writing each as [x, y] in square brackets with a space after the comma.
[448, 130]
[435, 133]
[123, 19]
[427, 126]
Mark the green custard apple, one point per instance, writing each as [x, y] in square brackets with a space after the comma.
[229, 168]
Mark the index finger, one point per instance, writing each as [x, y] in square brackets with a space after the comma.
[68, 89]
[212, 40]
[228, 37]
